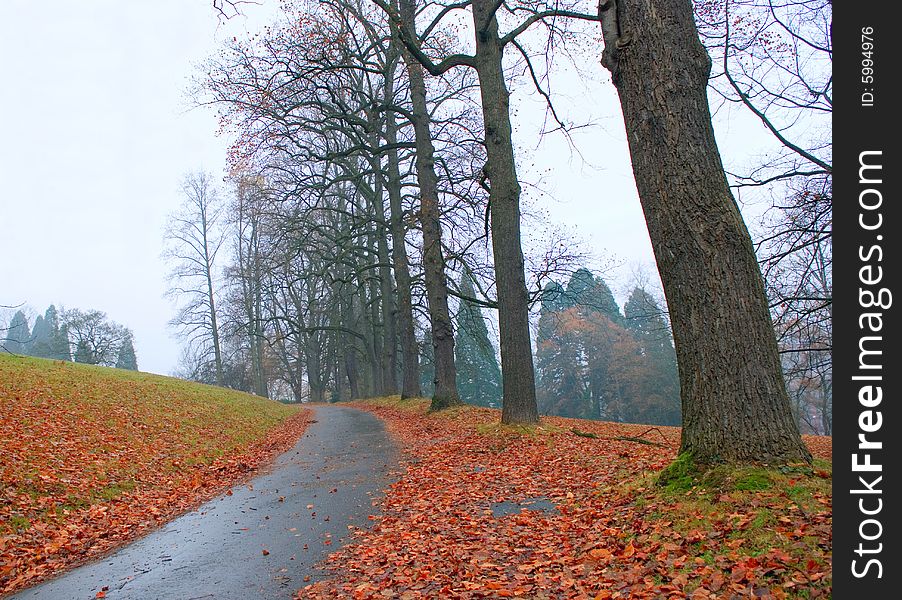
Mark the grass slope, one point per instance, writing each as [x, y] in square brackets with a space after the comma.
[90, 457]
[618, 527]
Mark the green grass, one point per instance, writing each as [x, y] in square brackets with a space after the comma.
[75, 435]
[755, 510]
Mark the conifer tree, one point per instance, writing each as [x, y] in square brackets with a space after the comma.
[645, 318]
[83, 353]
[41, 338]
[126, 358]
[554, 298]
[38, 344]
[58, 335]
[478, 372]
[591, 293]
[18, 335]
[61, 349]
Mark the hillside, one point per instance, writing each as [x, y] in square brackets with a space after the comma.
[577, 509]
[93, 457]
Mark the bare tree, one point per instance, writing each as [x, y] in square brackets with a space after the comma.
[445, 394]
[500, 171]
[95, 340]
[194, 236]
[248, 272]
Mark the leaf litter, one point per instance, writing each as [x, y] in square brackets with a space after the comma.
[613, 533]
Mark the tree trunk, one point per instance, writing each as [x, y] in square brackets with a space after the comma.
[410, 363]
[517, 374]
[735, 405]
[433, 260]
[389, 308]
[214, 325]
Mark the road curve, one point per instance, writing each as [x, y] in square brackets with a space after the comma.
[264, 539]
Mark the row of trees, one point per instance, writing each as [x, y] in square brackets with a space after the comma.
[363, 185]
[87, 337]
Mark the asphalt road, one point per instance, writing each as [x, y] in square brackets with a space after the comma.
[261, 541]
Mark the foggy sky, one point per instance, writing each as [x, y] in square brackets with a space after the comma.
[96, 133]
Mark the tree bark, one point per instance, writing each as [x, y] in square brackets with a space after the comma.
[410, 363]
[208, 272]
[735, 405]
[389, 343]
[517, 374]
[389, 308]
[433, 260]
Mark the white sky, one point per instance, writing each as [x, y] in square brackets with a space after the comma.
[95, 135]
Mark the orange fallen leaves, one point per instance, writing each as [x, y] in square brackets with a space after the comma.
[438, 537]
[92, 457]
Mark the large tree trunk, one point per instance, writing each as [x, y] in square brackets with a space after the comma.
[517, 375]
[389, 308]
[433, 260]
[735, 406]
[410, 364]
[388, 344]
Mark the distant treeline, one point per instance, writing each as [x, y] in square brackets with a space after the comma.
[87, 337]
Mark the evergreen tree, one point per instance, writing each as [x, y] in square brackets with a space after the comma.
[561, 371]
[554, 298]
[83, 353]
[645, 318]
[58, 336]
[594, 362]
[40, 338]
[588, 292]
[47, 339]
[18, 336]
[478, 373]
[126, 358]
[61, 349]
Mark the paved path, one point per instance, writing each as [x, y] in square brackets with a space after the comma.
[217, 552]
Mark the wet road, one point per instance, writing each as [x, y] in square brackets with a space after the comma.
[265, 538]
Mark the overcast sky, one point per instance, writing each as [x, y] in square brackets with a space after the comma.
[96, 133]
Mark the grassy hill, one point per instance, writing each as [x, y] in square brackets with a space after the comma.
[93, 456]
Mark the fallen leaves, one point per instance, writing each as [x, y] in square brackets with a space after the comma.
[609, 531]
[94, 457]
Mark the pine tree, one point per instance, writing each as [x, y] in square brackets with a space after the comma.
[588, 292]
[562, 379]
[478, 373]
[562, 376]
[554, 298]
[83, 353]
[59, 335]
[40, 338]
[61, 349]
[48, 340]
[126, 358]
[18, 336]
